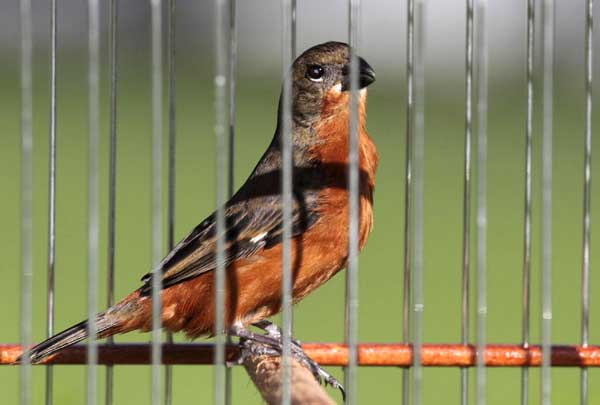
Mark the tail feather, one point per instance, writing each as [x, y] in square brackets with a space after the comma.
[66, 338]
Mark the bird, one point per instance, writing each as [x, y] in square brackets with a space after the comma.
[320, 131]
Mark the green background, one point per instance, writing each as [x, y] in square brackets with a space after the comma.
[320, 316]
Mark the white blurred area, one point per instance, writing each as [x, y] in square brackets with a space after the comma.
[383, 32]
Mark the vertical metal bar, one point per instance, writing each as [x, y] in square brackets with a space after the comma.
[466, 234]
[172, 126]
[221, 125]
[482, 93]
[417, 202]
[231, 150]
[156, 12]
[171, 166]
[288, 12]
[527, 211]
[294, 34]
[233, 33]
[587, 185]
[546, 248]
[93, 213]
[51, 198]
[351, 334]
[410, 49]
[112, 182]
[231, 91]
[26, 195]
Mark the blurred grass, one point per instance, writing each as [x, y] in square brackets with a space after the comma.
[320, 316]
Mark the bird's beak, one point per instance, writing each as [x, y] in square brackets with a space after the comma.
[366, 75]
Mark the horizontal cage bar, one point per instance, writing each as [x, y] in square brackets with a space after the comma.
[335, 354]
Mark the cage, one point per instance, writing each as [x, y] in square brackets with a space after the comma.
[127, 123]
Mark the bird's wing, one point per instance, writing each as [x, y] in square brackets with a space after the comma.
[250, 227]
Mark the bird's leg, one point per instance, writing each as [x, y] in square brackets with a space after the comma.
[273, 331]
[269, 327]
[270, 344]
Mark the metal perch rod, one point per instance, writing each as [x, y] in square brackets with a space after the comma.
[336, 354]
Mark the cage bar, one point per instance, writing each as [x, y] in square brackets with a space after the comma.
[172, 125]
[51, 198]
[466, 231]
[481, 57]
[157, 208]
[221, 74]
[351, 298]
[410, 49]
[112, 181]
[233, 49]
[288, 12]
[546, 212]
[288, 54]
[168, 394]
[526, 288]
[587, 185]
[233, 33]
[93, 192]
[26, 193]
[418, 184]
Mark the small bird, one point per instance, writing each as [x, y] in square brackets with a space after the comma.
[320, 125]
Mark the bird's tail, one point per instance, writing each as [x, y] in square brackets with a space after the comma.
[68, 337]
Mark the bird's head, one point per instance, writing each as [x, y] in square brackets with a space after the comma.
[321, 75]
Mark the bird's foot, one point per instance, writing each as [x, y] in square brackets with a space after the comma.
[270, 344]
[320, 374]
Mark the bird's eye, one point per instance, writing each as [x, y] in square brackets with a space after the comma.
[315, 73]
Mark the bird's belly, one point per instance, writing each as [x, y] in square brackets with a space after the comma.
[317, 255]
